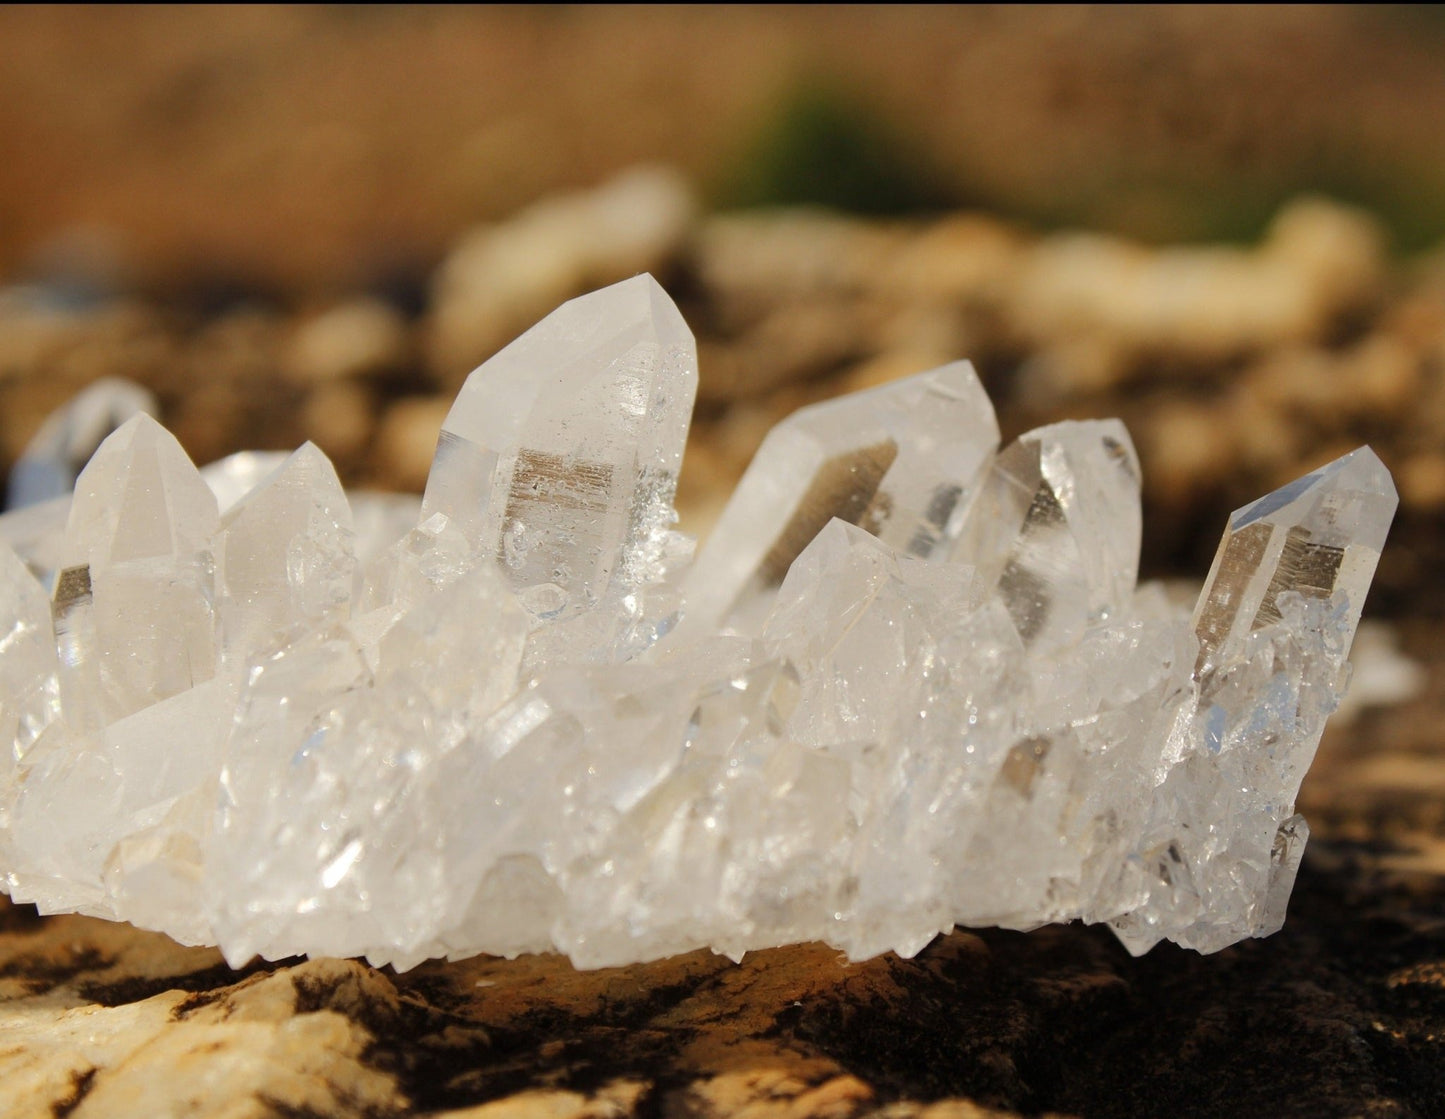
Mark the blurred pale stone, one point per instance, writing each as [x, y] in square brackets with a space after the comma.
[406, 439]
[1422, 481]
[351, 340]
[966, 258]
[339, 419]
[1188, 445]
[791, 253]
[1318, 261]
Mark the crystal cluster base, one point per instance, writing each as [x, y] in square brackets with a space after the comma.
[909, 683]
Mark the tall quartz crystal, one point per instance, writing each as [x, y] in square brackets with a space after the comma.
[902, 461]
[1218, 855]
[561, 453]
[1318, 537]
[915, 683]
[133, 602]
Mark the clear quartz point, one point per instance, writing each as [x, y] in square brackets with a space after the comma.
[133, 601]
[1273, 627]
[1317, 536]
[561, 453]
[902, 461]
[914, 683]
[1055, 530]
[285, 556]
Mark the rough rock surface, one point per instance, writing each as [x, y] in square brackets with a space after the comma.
[1342, 1013]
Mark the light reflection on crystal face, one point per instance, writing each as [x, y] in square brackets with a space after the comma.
[910, 682]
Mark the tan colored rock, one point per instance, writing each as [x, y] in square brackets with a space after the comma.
[500, 279]
[339, 419]
[775, 1094]
[802, 340]
[1337, 252]
[213, 419]
[406, 440]
[1422, 482]
[1318, 262]
[1385, 375]
[243, 345]
[1267, 436]
[1074, 366]
[612, 1101]
[272, 1041]
[921, 327]
[962, 259]
[1378, 379]
[793, 253]
[1185, 448]
[354, 339]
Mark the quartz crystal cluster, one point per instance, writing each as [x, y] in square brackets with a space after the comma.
[909, 681]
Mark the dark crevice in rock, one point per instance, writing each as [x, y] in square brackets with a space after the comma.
[207, 985]
[442, 1063]
[80, 1085]
[16, 917]
[1063, 1020]
[45, 969]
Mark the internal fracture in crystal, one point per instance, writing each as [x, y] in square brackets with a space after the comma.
[910, 682]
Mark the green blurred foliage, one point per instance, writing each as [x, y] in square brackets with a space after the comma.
[821, 146]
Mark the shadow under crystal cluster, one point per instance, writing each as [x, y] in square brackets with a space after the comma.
[909, 682]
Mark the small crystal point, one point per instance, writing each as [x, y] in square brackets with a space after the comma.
[560, 456]
[1056, 528]
[1273, 625]
[233, 477]
[1319, 536]
[133, 605]
[285, 555]
[140, 497]
[902, 461]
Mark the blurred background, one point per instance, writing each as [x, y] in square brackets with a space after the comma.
[1226, 225]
